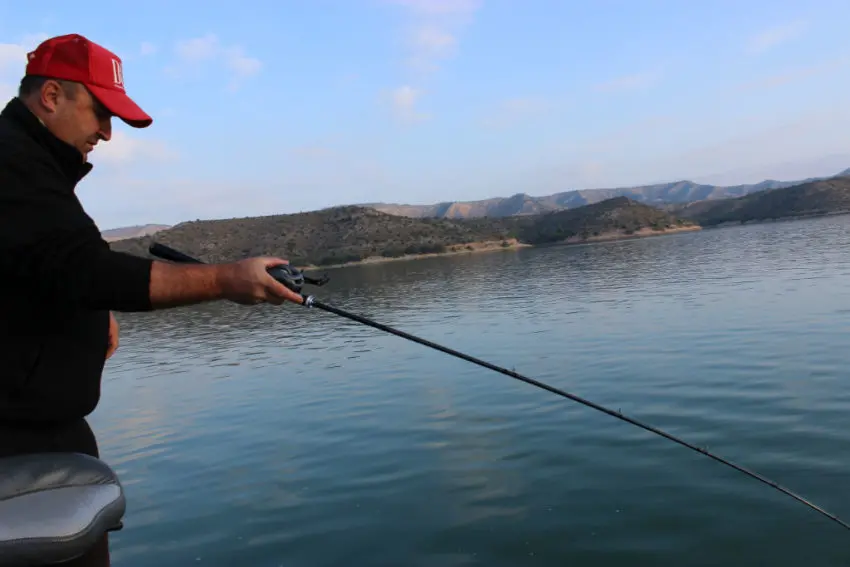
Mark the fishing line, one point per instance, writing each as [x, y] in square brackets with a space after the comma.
[294, 280]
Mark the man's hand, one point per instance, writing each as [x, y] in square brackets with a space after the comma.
[113, 336]
[247, 282]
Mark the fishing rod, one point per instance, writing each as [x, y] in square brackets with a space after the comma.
[294, 279]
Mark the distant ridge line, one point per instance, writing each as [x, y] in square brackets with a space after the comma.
[659, 194]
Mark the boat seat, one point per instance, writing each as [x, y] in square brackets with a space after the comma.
[55, 506]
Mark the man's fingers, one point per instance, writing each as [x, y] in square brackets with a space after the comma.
[272, 261]
[280, 292]
[294, 297]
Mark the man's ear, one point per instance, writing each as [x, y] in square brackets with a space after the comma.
[51, 95]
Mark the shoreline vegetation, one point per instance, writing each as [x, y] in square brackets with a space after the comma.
[356, 235]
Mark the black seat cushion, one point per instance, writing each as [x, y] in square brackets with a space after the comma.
[54, 506]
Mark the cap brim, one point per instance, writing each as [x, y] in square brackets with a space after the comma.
[122, 106]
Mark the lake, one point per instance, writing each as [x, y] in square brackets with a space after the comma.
[286, 436]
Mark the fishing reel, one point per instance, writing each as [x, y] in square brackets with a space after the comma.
[292, 277]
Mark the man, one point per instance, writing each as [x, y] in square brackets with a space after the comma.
[59, 280]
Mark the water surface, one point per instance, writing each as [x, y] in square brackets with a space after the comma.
[283, 436]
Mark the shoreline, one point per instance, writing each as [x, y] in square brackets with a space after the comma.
[512, 244]
[788, 218]
[452, 250]
[612, 236]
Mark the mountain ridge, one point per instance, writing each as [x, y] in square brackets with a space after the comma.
[113, 234]
[811, 199]
[667, 196]
[355, 234]
[658, 194]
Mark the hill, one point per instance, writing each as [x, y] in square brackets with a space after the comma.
[816, 198]
[352, 234]
[612, 218]
[678, 192]
[132, 231]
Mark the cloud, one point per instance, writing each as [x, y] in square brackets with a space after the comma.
[13, 56]
[316, 173]
[433, 41]
[13, 62]
[7, 92]
[307, 178]
[793, 75]
[775, 36]
[240, 64]
[430, 36]
[433, 29]
[193, 53]
[403, 100]
[124, 149]
[428, 44]
[197, 49]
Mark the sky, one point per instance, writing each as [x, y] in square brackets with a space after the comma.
[265, 107]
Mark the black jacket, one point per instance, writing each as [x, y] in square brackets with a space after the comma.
[58, 278]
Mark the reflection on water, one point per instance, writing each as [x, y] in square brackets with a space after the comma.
[287, 436]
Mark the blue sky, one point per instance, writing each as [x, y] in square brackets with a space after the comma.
[267, 107]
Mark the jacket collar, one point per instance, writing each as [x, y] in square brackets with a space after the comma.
[69, 158]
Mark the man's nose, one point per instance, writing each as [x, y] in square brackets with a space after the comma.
[105, 132]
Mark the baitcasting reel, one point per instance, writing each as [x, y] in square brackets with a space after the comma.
[292, 277]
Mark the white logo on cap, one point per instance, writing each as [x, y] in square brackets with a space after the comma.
[117, 73]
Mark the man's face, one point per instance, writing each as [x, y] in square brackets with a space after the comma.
[76, 117]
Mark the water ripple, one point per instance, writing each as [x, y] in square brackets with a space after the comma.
[284, 436]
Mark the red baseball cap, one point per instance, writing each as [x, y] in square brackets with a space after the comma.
[74, 58]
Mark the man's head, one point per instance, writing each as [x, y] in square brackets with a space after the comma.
[75, 87]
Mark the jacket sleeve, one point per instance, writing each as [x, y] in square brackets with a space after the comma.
[50, 246]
